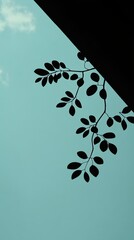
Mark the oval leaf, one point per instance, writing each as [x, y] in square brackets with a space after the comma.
[76, 174]
[44, 81]
[69, 94]
[94, 170]
[103, 94]
[109, 135]
[124, 124]
[91, 90]
[110, 122]
[41, 72]
[117, 118]
[80, 130]
[38, 80]
[62, 65]
[112, 148]
[103, 146]
[130, 119]
[94, 129]
[92, 118]
[85, 134]
[74, 77]
[49, 66]
[86, 177]
[95, 77]
[65, 75]
[82, 155]
[126, 110]
[80, 82]
[85, 121]
[60, 105]
[56, 64]
[97, 140]
[50, 79]
[78, 103]
[98, 160]
[65, 99]
[72, 110]
[74, 165]
[80, 56]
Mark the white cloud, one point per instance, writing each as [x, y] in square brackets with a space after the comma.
[15, 17]
[4, 78]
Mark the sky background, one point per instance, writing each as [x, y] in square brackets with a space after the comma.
[38, 199]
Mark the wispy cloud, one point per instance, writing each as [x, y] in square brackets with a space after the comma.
[15, 17]
[4, 78]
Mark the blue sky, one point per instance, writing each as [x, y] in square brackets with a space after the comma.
[38, 199]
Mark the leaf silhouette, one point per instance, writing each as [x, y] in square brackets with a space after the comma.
[78, 103]
[110, 122]
[91, 90]
[126, 110]
[69, 94]
[74, 77]
[97, 140]
[72, 110]
[80, 82]
[109, 135]
[49, 66]
[65, 75]
[86, 177]
[38, 80]
[103, 94]
[94, 170]
[92, 118]
[85, 134]
[82, 155]
[103, 146]
[84, 121]
[117, 118]
[65, 99]
[56, 64]
[74, 165]
[124, 124]
[95, 77]
[76, 174]
[60, 105]
[130, 119]
[50, 79]
[112, 148]
[62, 65]
[41, 72]
[94, 129]
[80, 56]
[44, 81]
[98, 160]
[80, 130]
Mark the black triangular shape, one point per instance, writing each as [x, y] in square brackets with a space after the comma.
[103, 31]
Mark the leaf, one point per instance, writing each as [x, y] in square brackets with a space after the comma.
[69, 94]
[91, 90]
[86, 177]
[95, 77]
[65, 75]
[103, 94]
[94, 129]
[98, 160]
[76, 174]
[117, 118]
[84, 121]
[80, 82]
[72, 110]
[94, 170]
[56, 64]
[80, 56]
[65, 99]
[38, 80]
[109, 135]
[59, 75]
[82, 155]
[97, 140]
[78, 103]
[130, 119]
[112, 148]
[49, 66]
[50, 79]
[44, 81]
[92, 118]
[110, 122]
[85, 134]
[41, 72]
[126, 110]
[103, 146]
[74, 77]
[74, 165]
[62, 65]
[124, 124]
[60, 105]
[55, 78]
[80, 130]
